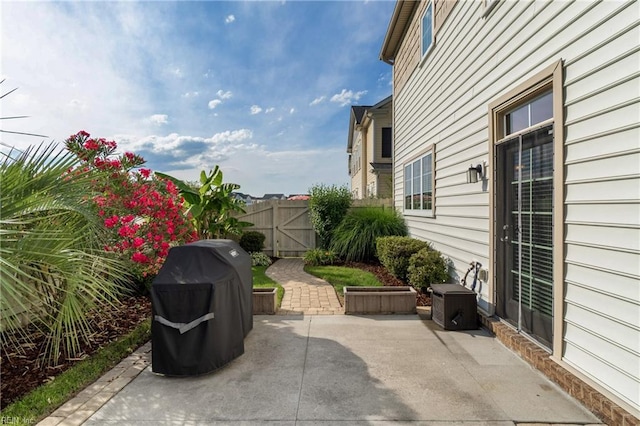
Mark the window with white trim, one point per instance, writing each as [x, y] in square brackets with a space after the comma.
[488, 6]
[418, 185]
[426, 29]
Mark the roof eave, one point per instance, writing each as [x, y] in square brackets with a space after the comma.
[400, 19]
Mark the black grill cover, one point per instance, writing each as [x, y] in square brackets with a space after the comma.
[202, 307]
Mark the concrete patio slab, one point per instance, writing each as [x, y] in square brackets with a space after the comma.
[321, 370]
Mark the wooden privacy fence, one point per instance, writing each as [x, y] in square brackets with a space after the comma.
[287, 224]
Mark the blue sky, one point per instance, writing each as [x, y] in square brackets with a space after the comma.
[261, 88]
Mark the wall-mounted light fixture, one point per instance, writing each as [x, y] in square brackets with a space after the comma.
[474, 173]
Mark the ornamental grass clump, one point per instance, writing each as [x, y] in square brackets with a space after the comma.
[354, 240]
[394, 253]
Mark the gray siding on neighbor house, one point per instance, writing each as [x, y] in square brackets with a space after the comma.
[444, 101]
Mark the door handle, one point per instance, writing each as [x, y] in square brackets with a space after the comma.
[505, 234]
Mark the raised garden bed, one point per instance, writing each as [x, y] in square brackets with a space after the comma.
[265, 300]
[380, 300]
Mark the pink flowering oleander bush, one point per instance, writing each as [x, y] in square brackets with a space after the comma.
[142, 213]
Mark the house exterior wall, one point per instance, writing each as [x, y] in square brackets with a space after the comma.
[367, 149]
[357, 166]
[444, 101]
[384, 181]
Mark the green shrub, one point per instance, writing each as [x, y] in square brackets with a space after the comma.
[394, 253]
[327, 206]
[427, 267]
[354, 240]
[258, 258]
[252, 241]
[320, 257]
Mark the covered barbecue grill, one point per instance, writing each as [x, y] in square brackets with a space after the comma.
[202, 307]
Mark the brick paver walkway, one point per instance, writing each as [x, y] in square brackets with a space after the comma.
[303, 293]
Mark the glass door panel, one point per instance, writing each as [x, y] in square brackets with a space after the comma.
[525, 229]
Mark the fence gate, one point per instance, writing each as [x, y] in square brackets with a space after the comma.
[285, 224]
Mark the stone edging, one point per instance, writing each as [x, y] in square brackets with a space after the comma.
[78, 409]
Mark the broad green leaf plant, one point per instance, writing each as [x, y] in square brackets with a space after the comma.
[212, 205]
[53, 267]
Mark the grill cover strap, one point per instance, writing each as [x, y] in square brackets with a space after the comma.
[181, 326]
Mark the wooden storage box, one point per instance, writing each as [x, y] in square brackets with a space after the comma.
[454, 307]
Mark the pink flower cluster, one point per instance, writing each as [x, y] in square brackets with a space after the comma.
[143, 213]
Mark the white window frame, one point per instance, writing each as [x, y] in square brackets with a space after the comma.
[488, 6]
[425, 53]
[421, 211]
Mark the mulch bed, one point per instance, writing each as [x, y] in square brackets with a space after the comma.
[387, 279]
[22, 372]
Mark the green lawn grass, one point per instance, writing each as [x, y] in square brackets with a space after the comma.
[260, 279]
[341, 276]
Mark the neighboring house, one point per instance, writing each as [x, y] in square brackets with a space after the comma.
[269, 197]
[248, 200]
[517, 145]
[370, 149]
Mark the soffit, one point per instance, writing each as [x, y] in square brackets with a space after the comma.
[400, 20]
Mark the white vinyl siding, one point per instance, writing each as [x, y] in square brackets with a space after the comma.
[475, 61]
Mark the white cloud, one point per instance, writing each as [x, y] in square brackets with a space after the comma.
[292, 110]
[260, 169]
[66, 98]
[214, 103]
[268, 110]
[159, 119]
[347, 97]
[316, 101]
[229, 19]
[224, 95]
[190, 94]
[176, 72]
[77, 103]
[232, 136]
[255, 109]
[178, 146]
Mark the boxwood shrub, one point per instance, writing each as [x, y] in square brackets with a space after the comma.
[427, 267]
[394, 253]
[252, 241]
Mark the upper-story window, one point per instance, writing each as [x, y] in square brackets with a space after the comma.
[387, 148]
[427, 29]
[488, 6]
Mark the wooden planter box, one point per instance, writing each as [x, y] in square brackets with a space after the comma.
[265, 301]
[380, 300]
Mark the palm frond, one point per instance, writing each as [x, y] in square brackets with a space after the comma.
[51, 241]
